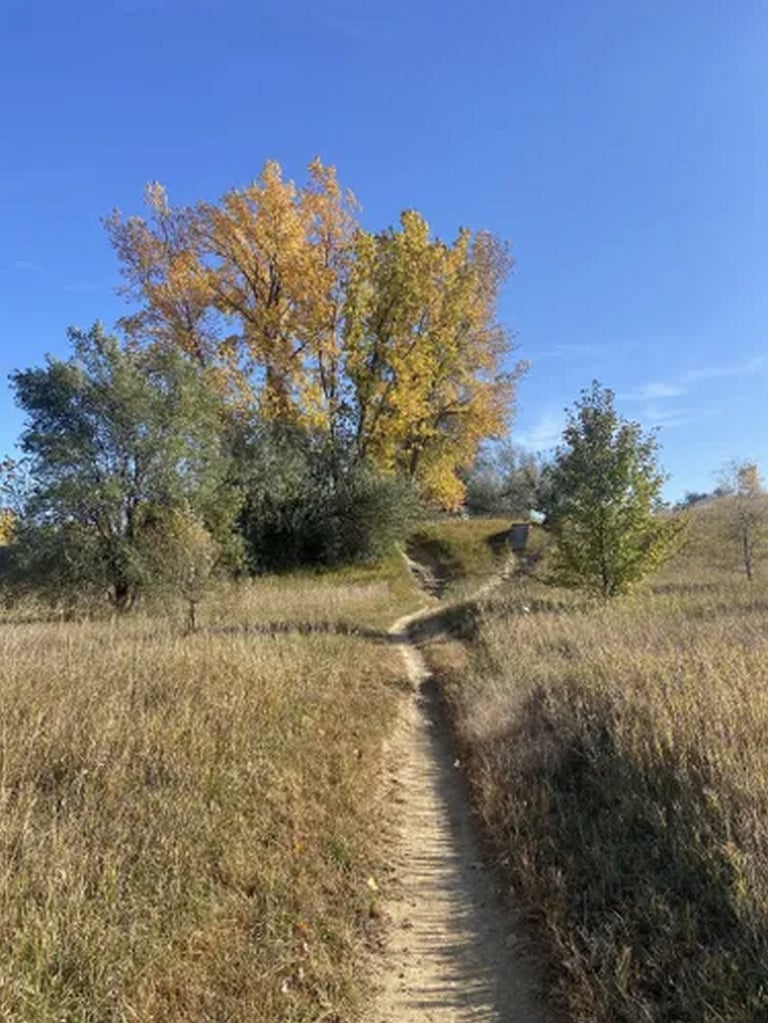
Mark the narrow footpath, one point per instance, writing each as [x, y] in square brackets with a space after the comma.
[452, 954]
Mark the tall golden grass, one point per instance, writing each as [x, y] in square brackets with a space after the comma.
[187, 826]
[618, 757]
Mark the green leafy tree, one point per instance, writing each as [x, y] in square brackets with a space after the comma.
[181, 557]
[605, 489]
[121, 446]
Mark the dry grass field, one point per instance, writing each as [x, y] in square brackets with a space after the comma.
[618, 757]
[187, 826]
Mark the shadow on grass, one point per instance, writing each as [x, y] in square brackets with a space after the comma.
[720, 610]
[499, 543]
[461, 621]
[282, 628]
[687, 588]
[631, 867]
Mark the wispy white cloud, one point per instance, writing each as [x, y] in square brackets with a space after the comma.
[655, 415]
[26, 265]
[544, 433]
[736, 369]
[657, 390]
[575, 350]
[654, 391]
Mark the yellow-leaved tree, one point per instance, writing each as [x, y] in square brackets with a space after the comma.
[424, 351]
[160, 260]
[251, 286]
[388, 342]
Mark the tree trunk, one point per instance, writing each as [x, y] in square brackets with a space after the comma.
[123, 595]
[191, 616]
[746, 549]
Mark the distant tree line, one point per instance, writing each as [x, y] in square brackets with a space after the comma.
[507, 480]
[139, 476]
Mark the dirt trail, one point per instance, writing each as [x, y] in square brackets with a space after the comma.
[451, 953]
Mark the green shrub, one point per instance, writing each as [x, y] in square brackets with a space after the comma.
[308, 504]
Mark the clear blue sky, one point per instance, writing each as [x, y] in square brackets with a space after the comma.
[621, 147]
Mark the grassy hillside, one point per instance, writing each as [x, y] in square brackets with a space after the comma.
[461, 551]
[717, 531]
[188, 828]
[619, 761]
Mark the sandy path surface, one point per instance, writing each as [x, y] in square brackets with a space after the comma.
[451, 952]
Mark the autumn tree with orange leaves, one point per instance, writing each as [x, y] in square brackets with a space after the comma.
[388, 342]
